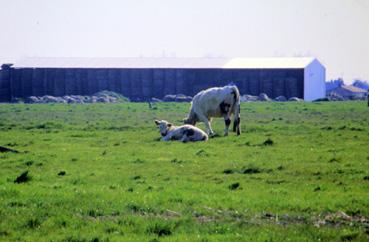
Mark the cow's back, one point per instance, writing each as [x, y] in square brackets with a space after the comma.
[208, 101]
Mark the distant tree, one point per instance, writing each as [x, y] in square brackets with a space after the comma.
[361, 84]
[333, 84]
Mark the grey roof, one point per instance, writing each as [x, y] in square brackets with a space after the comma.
[132, 62]
[351, 89]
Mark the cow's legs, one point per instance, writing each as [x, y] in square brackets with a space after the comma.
[168, 137]
[238, 129]
[204, 119]
[227, 122]
[185, 138]
[236, 124]
[237, 120]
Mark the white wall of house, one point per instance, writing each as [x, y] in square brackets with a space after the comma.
[314, 81]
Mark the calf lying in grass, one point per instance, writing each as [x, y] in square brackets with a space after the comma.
[183, 133]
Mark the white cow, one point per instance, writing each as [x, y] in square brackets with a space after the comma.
[216, 102]
[183, 133]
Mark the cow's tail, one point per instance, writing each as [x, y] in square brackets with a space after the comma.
[237, 103]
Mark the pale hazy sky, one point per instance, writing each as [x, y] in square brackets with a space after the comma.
[334, 31]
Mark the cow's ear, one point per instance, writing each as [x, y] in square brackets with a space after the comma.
[157, 122]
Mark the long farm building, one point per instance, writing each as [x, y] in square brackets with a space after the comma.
[143, 78]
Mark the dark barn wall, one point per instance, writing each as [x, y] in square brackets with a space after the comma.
[5, 85]
[142, 84]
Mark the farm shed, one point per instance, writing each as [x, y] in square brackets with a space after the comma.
[143, 78]
[349, 92]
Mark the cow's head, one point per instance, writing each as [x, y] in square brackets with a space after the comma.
[164, 126]
[191, 119]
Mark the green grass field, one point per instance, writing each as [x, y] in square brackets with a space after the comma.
[98, 172]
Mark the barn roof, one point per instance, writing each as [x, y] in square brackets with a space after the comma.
[167, 62]
[351, 89]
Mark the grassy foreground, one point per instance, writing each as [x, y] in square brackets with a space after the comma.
[97, 172]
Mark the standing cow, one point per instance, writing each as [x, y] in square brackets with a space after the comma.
[216, 102]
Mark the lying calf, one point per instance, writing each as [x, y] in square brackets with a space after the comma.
[183, 133]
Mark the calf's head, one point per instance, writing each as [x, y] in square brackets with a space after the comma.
[164, 126]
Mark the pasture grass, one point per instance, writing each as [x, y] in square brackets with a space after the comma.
[98, 172]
